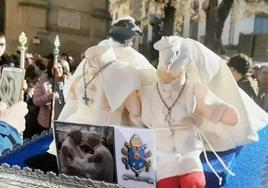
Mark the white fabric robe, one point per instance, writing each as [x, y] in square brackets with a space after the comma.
[129, 55]
[178, 146]
[107, 93]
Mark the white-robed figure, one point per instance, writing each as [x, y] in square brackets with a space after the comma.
[101, 89]
[175, 108]
[121, 35]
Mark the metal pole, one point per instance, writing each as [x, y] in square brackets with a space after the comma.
[56, 49]
[23, 48]
[56, 54]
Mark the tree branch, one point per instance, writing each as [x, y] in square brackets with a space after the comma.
[221, 15]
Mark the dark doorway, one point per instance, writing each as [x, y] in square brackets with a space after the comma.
[2, 16]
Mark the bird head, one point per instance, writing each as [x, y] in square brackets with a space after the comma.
[124, 29]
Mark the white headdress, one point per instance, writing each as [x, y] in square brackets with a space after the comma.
[174, 54]
[122, 19]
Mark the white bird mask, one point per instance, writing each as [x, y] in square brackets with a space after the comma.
[174, 55]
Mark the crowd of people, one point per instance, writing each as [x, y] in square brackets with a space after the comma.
[44, 81]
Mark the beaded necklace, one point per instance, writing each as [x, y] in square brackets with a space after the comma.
[86, 83]
[169, 108]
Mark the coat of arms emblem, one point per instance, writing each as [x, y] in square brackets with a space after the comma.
[136, 158]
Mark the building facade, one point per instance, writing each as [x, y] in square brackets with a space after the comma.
[245, 28]
[155, 17]
[79, 24]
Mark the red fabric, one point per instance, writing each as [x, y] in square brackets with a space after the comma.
[191, 180]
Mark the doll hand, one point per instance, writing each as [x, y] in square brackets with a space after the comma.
[230, 116]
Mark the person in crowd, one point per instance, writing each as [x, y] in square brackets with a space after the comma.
[179, 107]
[100, 164]
[49, 87]
[65, 56]
[32, 74]
[15, 59]
[254, 71]
[2, 44]
[72, 63]
[66, 69]
[29, 59]
[34, 71]
[4, 58]
[70, 151]
[239, 66]
[67, 62]
[28, 94]
[262, 78]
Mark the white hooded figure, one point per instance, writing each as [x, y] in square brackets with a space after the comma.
[102, 91]
[175, 108]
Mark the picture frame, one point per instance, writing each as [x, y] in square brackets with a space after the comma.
[91, 156]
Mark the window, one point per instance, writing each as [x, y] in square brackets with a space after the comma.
[261, 24]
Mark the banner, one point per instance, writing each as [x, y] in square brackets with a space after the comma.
[135, 157]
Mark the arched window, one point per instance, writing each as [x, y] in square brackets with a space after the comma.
[2, 16]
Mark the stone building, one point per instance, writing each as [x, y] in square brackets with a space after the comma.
[79, 24]
[245, 29]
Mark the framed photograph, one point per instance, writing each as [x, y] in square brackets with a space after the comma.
[11, 83]
[135, 157]
[86, 151]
